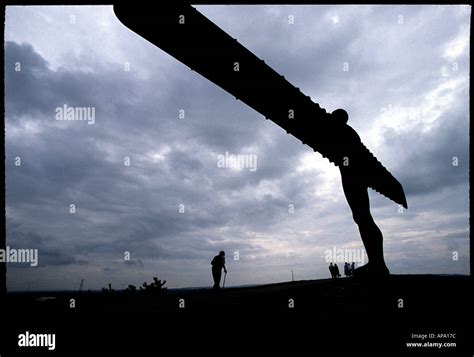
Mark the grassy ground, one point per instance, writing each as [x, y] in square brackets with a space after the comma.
[319, 315]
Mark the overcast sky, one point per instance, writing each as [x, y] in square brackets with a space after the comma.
[402, 73]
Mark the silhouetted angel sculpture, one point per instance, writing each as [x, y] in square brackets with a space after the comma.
[210, 51]
[355, 190]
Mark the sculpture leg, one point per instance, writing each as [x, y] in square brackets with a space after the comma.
[358, 200]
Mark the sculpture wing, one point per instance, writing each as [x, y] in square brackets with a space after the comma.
[193, 39]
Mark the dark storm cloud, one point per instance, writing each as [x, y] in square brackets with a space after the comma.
[50, 253]
[36, 89]
[70, 164]
[441, 156]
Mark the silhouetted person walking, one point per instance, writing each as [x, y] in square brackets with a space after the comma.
[218, 263]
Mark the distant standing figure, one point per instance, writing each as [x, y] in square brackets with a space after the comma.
[331, 270]
[347, 269]
[336, 271]
[218, 263]
[352, 268]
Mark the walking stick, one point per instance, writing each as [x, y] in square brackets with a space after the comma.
[223, 284]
